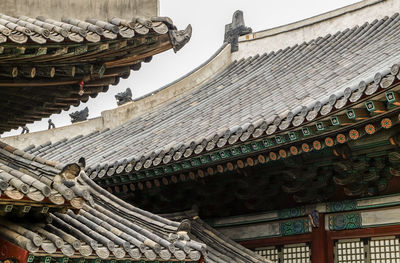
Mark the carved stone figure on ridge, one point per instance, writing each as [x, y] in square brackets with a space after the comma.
[78, 116]
[51, 124]
[124, 97]
[236, 29]
[25, 129]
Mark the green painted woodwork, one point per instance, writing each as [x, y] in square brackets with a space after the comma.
[140, 176]
[236, 151]
[295, 227]
[215, 157]
[195, 162]
[124, 178]
[225, 154]
[293, 136]
[176, 167]
[256, 146]
[116, 179]
[167, 169]
[370, 105]
[252, 147]
[345, 221]
[280, 139]
[351, 114]
[346, 205]
[391, 97]
[150, 173]
[246, 148]
[335, 121]
[268, 143]
[292, 212]
[158, 171]
[132, 177]
[306, 131]
[205, 159]
[186, 165]
[320, 126]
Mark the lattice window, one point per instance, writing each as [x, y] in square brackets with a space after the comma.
[350, 251]
[271, 253]
[384, 250]
[298, 253]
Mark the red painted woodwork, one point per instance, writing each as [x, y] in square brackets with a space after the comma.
[9, 250]
[329, 253]
[318, 244]
[365, 232]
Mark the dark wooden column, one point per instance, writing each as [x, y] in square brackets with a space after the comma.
[319, 242]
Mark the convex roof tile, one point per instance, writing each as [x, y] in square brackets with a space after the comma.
[256, 96]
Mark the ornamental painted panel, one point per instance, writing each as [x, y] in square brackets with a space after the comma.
[292, 212]
[346, 205]
[295, 227]
[345, 221]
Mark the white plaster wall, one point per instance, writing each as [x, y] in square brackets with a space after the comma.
[54, 135]
[81, 9]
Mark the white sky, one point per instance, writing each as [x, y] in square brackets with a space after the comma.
[208, 19]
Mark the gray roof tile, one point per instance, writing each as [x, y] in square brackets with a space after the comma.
[265, 85]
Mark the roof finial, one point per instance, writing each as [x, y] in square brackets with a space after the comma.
[78, 116]
[124, 97]
[180, 38]
[236, 29]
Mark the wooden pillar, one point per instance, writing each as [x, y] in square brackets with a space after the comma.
[330, 245]
[319, 242]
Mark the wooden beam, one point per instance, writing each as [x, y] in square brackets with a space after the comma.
[28, 72]
[365, 232]
[276, 241]
[46, 72]
[9, 72]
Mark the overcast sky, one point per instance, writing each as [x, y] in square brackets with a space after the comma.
[208, 19]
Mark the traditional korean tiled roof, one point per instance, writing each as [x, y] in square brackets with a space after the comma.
[47, 65]
[45, 30]
[107, 228]
[29, 183]
[257, 97]
[219, 246]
